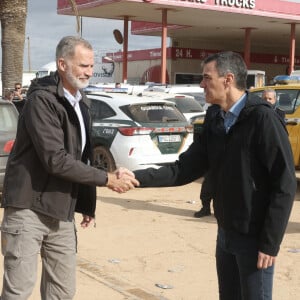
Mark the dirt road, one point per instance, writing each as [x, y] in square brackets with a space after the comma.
[148, 237]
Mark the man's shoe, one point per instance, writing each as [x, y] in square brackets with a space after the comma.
[202, 212]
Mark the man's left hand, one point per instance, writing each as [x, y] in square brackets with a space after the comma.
[86, 221]
[264, 260]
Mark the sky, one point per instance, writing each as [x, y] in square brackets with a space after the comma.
[44, 29]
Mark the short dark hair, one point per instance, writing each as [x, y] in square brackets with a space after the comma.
[232, 62]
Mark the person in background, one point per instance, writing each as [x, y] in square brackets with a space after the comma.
[9, 95]
[18, 91]
[270, 96]
[49, 176]
[19, 99]
[246, 149]
[205, 197]
[118, 85]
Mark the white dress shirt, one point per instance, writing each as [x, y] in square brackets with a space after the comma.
[74, 101]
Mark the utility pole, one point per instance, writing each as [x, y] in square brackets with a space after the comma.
[28, 50]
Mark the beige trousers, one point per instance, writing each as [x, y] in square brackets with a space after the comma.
[24, 235]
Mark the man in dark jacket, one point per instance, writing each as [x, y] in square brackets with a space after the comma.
[246, 150]
[49, 177]
[270, 96]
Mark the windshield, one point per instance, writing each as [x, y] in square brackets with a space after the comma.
[199, 97]
[187, 105]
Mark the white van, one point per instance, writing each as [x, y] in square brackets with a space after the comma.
[295, 73]
[256, 78]
[46, 69]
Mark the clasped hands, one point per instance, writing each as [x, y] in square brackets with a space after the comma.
[121, 180]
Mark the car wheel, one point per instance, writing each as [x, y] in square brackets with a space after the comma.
[103, 159]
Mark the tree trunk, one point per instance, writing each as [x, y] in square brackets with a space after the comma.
[13, 15]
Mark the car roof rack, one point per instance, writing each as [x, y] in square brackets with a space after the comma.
[95, 89]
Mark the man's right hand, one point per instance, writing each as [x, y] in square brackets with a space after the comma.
[121, 180]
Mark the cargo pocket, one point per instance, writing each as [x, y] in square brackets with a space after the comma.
[11, 240]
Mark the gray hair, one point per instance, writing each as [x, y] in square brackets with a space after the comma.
[230, 62]
[66, 46]
[269, 91]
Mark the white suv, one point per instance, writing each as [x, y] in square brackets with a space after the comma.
[185, 103]
[136, 132]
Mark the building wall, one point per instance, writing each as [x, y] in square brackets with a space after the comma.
[140, 61]
[271, 70]
[193, 66]
[135, 69]
[272, 10]
[184, 66]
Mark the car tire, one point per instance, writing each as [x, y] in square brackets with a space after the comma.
[103, 159]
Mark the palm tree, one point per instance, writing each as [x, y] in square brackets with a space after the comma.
[13, 14]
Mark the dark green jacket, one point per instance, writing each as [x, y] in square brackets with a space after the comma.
[46, 171]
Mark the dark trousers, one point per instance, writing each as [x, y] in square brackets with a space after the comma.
[205, 194]
[238, 276]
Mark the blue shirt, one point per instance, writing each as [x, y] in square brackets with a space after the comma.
[231, 116]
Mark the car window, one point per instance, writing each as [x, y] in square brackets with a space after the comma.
[8, 118]
[286, 99]
[101, 110]
[257, 93]
[187, 105]
[153, 112]
[296, 98]
[199, 97]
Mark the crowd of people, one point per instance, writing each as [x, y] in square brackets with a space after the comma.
[49, 177]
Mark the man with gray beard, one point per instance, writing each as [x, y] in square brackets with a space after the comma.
[49, 177]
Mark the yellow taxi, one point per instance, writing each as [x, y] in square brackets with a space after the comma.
[288, 99]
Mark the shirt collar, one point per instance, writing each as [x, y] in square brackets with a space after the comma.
[238, 106]
[72, 99]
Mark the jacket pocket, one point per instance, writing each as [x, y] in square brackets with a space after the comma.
[11, 240]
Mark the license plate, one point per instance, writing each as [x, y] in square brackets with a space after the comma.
[169, 138]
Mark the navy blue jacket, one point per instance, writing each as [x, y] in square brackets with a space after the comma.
[252, 171]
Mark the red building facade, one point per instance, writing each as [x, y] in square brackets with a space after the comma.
[264, 32]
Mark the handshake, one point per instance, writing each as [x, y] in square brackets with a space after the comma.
[121, 180]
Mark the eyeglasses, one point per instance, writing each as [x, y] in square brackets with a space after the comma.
[18, 88]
